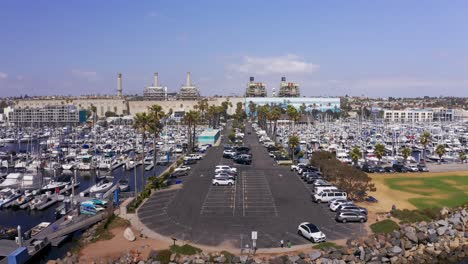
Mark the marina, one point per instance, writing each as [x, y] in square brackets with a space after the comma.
[51, 170]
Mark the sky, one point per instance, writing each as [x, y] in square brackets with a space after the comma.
[373, 48]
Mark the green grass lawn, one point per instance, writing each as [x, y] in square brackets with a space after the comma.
[449, 191]
[384, 227]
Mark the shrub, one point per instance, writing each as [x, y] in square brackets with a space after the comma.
[164, 256]
[413, 216]
[326, 245]
[185, 249]
[384, 227]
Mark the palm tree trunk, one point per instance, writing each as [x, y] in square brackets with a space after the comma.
[143, 162]
[154, 155]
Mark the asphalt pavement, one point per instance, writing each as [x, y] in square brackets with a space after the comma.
[266, 198]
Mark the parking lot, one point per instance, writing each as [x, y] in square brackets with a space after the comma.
[266, 198]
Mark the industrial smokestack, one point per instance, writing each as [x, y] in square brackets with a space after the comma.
[119, 85]
[283, 79]
[156, 81]
[252, 79]
[189, 83]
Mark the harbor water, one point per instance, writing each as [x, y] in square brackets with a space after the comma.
[30, 218]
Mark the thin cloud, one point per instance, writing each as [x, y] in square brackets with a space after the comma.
[88, 75]
[288, 64]
[3, 75]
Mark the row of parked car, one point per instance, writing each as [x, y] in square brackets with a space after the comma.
[224, 175]
[395, 168]
[323, 191]
[239, 154]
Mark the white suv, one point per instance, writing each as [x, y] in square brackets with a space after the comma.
[311, 232]
[220, 168]
[223, 181]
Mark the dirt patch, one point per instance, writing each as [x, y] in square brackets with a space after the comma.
[388, 197]
[451, 182]
[117, 246]
[410, 182]
[427, 191]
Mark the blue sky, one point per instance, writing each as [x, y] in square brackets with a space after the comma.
[374, 48]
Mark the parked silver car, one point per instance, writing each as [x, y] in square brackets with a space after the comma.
[349, 216]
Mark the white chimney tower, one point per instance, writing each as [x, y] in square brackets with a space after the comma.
[188, 84]
[156, 80]
[119, 85]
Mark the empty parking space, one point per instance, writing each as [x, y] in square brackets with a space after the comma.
[257, 197]
[219, 201]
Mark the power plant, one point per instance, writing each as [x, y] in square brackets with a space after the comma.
[155, 92]
[189, 91]
[288, 89]
[255, 89]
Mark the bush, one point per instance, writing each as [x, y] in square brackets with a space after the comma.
[326, 245]
[229, 256]
[413, 216]
[384, 227]
[185, 249]
[164, 256]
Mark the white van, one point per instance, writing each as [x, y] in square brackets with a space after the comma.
[322, 188]
[326, 196]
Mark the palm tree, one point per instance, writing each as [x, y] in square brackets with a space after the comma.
[406, 152]
[293, 114]
[379, 151]
[156, 114]
[226, 104]
[142, 123]
[191, 119]
[252, 109]
[293, 143]
[462, 156]
[274, 115]
[440, 150]
[355, 154]
[202, 106]
[425, 139]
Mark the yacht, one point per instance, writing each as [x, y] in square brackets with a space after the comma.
[86, 163]
[12, 180]
[101, 187]
[124, 185]
[8, 195]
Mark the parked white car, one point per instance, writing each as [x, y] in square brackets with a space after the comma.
[182, 168]
[223, 181]
[311, 232]
[326, 196]
[220, 168]
[193, 156]
[413, 168]
[295, 167]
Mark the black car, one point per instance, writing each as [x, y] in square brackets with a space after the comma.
[389, 170]
[177, 174]
[400, 168]
[242, 150]
[422, 168]
[368, 168]
[243, 159]
[379, 169]
[190, 161]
